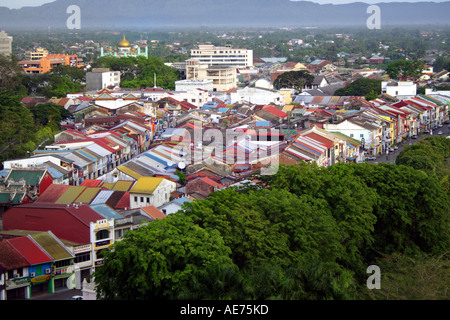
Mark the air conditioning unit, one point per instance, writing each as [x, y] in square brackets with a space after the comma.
[16, 275]
[32, 274]
[48, 271]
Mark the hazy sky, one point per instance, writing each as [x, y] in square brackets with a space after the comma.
[16, 4]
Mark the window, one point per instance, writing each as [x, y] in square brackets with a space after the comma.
[135, 199]
[102, 234]
[142, 199]
[82, 257]
[148, 199]
[361, 135]
[351, 135]
[63, 263]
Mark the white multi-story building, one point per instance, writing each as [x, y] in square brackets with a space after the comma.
[223, 77]
[101, 78]
[223, 56]
[400, 89]
[5, 43]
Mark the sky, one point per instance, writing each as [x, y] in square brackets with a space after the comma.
[17, 4]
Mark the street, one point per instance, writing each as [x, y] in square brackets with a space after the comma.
[59, 295]
[383, 158]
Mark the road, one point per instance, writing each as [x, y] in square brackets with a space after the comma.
[393, 155]
[59, 295]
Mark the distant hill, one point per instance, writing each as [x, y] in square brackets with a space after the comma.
[107, 14]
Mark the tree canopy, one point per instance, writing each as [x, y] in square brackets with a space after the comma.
[304, 233]
[293, 79]
[361, 87]
[404, 69]
[139, 72]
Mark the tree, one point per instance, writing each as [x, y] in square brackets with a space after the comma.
[139, 72]
[405, 68]
[160, 260]
[361, 87]
[293, 79]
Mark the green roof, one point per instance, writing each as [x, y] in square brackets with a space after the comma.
[31, 177]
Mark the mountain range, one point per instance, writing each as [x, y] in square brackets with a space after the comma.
[113, 14]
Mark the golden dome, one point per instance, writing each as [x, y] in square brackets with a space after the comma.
[124, 43]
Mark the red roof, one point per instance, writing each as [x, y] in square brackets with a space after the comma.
[10, 258]
[153, 212]
[29, 250]
[326, 142]
[52, 193]
[211, 182]
[275, 111]
[124, 202]
[91, 183]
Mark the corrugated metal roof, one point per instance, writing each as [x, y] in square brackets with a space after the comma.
[70, 195]
[29, 250]
[108, 185]
[146, 185]
[102, 197]
[52, 246]
[52, 193]
[88, 195]
[106, 211]
[98, 150]
[122, 185]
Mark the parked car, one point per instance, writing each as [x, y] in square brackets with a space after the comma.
[413, 137]
[426, 131]
[395, 147]
[440, 132]
[368, 158]
[76, 298]
[391, 149]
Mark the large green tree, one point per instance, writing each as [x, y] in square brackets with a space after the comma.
[139, 72]
[160, 260]
[293, 79]
[361, 87]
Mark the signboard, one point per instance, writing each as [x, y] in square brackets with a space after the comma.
[17, 283]
[83, 248]
[40, 279]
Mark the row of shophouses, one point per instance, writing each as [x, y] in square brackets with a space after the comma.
[72, 186]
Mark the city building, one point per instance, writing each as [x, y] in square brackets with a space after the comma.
[124, 49]
[223, 56]
[50, 61]
[400, 89]
[151, 191]
[5, 43]
[36, 54]
[101, 78]
[223, 77]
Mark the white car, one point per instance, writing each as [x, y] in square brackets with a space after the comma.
[76, 298]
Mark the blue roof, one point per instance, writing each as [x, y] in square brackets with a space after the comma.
[181, 200]
[106, 211]
[222, 110]
[55, 173]
[262, 123]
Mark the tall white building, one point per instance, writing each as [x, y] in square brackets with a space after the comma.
[223, 56]
[5, 43]
[100, 78]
